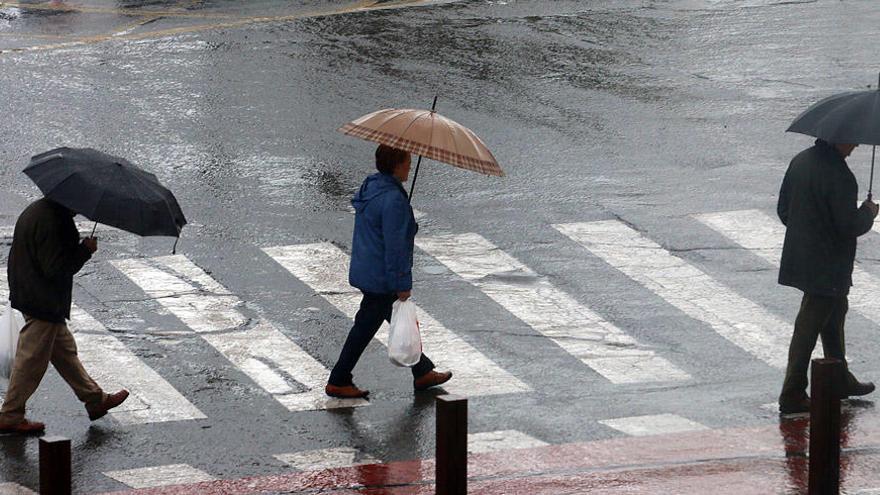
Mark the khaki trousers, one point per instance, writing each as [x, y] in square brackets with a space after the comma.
[40, 343]
[819, 317]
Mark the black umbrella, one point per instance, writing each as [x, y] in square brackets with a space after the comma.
[107, 189]
[850, 118]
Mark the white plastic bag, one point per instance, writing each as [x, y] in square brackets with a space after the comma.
[11, 324]
[404, 339]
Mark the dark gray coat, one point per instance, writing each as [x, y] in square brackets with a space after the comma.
[817, 204]
[45, 254]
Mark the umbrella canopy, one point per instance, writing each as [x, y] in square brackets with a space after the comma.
[850, 118]
[108, 190]
[426, 133]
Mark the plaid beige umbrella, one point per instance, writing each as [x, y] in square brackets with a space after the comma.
[426, 133]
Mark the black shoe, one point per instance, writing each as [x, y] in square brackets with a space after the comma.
[858, 389]
[796, 407]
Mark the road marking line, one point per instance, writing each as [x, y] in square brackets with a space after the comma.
[312, 460]
[682, 285]
[659, 424]
[15, 489]
[260, 350]
[324, 267]
[113, 366]
[764, 236]
[152, 477]
[495, 441]
[577, 329]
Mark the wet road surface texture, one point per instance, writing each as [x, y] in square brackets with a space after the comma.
[618, 283]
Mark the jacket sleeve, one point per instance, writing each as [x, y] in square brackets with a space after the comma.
[782, 203]
[54, 254]
[398, 246]
[849, 220]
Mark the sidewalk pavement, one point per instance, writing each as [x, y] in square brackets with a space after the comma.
[759, 460]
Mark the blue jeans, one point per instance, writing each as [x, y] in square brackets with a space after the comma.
[375, 308]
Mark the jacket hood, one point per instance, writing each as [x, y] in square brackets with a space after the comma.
[374, 186]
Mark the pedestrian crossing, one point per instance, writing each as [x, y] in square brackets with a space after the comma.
[578, 330]
[256, 346]
[292, 375]
[764, 235]
[324, 268]
[152, 399]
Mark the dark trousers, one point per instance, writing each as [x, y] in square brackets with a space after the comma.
[375, 308]
[819, 316]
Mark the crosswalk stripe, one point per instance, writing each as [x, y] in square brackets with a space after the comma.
[657, 424]
[324, 267]
[157, 476]
[684, 286]
[338, 457]
[495, 441]
[114, 366]
[764, 236]
[575, 328]
[15, 489]
[260, 350]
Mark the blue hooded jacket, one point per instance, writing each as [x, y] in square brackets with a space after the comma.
[384, 235]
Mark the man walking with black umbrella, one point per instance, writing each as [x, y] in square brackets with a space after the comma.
[817, 204]
[46, 252]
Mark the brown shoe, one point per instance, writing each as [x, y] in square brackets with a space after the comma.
[100, 410]
[431, 379]
[25, 427]
[346, 392]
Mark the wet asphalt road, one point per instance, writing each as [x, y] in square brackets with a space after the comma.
[643, 111]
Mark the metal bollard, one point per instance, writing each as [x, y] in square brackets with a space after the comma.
[826, 386]
[55, 466]
[451, 474]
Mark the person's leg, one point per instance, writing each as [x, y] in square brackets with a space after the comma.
[834, 345]
[66, 360]
[813, 316]
[32, 357]
[366, 323]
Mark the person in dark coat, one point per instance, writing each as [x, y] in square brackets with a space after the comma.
[46, 252]
[381, 267]
[817, 204]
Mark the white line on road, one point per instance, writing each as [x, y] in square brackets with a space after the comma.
[495, 441]
[324, 267]
[260, 350]
[575, 328]
[640, 426]
[764, 236]
[15, 489]
[114, 366]
[312, 460]
[682, 285]
[153, 477]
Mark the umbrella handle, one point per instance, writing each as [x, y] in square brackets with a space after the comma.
[94, 229]
[871, 180]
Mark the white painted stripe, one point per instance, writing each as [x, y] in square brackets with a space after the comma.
[494, 441]
[732, 316]
[113, 366]
[764, 235]
[85, 228]
[641, 426]
[15, 489]
[152, 477]
[259, 349]
[577, 329]
[324, 267]
[312, 460]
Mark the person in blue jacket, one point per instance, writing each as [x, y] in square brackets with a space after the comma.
[381, 267]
